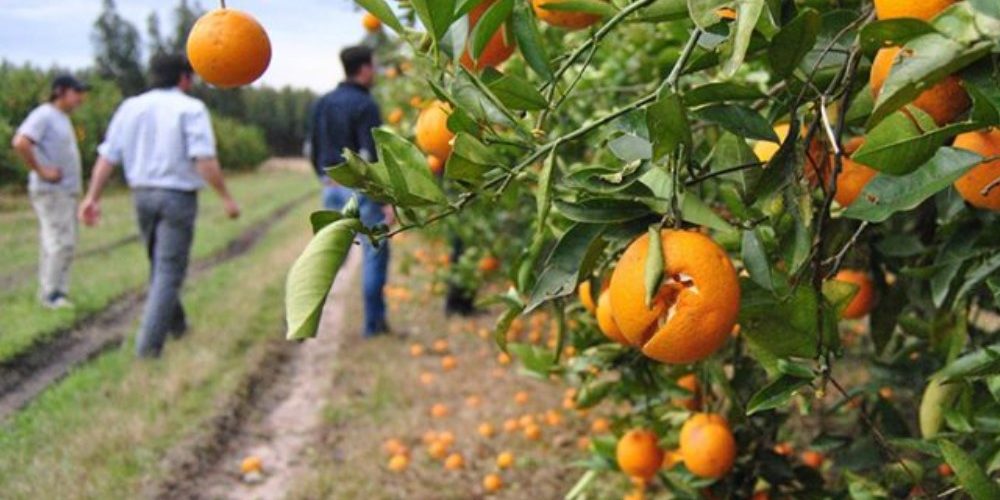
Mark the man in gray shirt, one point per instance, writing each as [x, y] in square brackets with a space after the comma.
[46, 141]
[164, 141]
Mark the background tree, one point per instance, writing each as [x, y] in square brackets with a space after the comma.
[118, 50]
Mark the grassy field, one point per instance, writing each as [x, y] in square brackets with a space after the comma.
[101, 277]
[103, 431]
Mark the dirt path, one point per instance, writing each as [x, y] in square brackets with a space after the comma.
[26, 376]
[285, 420]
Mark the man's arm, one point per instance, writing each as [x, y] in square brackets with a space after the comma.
[25, 149]
[90, 207]
[211, 171]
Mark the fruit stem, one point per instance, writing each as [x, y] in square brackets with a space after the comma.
[223, 3]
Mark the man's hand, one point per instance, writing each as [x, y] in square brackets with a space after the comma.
[389, 214]
[90, 211]
[231, 207]
[49, 174]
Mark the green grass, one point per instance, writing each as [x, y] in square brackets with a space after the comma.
[104, 430]
[99, 279]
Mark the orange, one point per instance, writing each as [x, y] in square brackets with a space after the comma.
[503, 358]
[416, 101]
[944, 102]
[446, 437]
[945, 470]
[416, 350]
[886, 392]
[394, 446]
[250, 464]
[864, 299]
[813, 459]
[606, 320]
[439, 410]
[497, 50]
[437, 450]
[228, 48]
[639, 454]
[370, 22]
[399, 463]
[492, 483]
[707, 445]
[815, 156]
[921, 9]
[521, 398]
[505, 460]
[853, 176]
[486, 430]
[435, 164]
[448, 363]
[426, 378]
[689, 382]
[562, 18]
[473, 401]
[970, 186]
[510, 425]
[454, 462]
[694, 311]
[586, 297]
[783, 449]
[395, 116]
[440, 346]
[761, 495]
[599, 426]
[489, 264]
[432, 132]
[533, 432]
[391, 72]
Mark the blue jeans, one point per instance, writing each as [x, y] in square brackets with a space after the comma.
[375, 268]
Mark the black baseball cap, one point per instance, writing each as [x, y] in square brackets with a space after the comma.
[69, 82]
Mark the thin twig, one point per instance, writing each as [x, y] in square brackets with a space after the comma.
[717, 173]
[838, 259]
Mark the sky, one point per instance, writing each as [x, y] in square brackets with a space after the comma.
[306, 35]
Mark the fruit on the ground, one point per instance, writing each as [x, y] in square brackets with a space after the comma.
[437, 450]
[473, 401]
[971, 185]
[228, 48]
[394, 446]
[399, 463]
[510, 425]
[920, 9]
[812, 458]
[432, 132]
[586, 297]
[707, 445]
[505, 460]
[435, 165]
[395, 116]
[533, 432]
[497, 50]
[250, 464]
[886, 393]
[944, 102]
[426, 378]
[864, 299]
[489, 264]
[573, 20]
[440, 346]
[370, 22]
[454, 462]
[486, 430]
[446, 437]
[503, 358]
[639, 454]
[521, 397]
[416, 350]
[492, 483]
[439, 410]
[448, 363]
[606, 319]
[937, 398]
[689, 382]
[694, 311]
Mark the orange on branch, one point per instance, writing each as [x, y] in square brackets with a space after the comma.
[395, 116]
[971, 185]
[572, 20]
[435, 165]
[639, 454]
[433, 135]
[586, 297]
[370, 22]
[228, 48]
[606, 320]
[920, 9]
[944, 102]
[707, 445]
[864, 299]
[689, 382]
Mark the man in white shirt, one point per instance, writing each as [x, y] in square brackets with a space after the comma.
[164, 140]
[46, 142]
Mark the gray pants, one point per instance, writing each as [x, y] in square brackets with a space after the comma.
[56, 212]
[166, 220]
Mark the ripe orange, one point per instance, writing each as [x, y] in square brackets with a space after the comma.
[440, 346]
[970, 186]
[639, 454]
[533, 432]
[439, 410]
[586, 297]
[437, 450]
[853, 175]
[399, 463]
[435, 165]
[505, 460]
[370, 22]
[689, 382]
[813, 459]
[510, 425]
[426, 378]
[489, 264]
[391, 72]
[944, 470]
[454, 462]
[923, 9]
[486, 430]
[432, 132]
[864, 300]
[250, 464]
[228, 48]
[394, 446]
[416, 350]
[816, 155]
[448, 363]
[503, 358]
[707, 445]
[600, 426]
[492, 483]
[395, 116]
[446, 437]
[944, 102]
[606, 320]
[497, 50]
[783, 449]
[521, 398]
[694, 311]
[562, 18]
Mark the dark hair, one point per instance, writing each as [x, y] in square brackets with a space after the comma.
[355, 58]
[166, 70]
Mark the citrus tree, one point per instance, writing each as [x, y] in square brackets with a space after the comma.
[766, 230]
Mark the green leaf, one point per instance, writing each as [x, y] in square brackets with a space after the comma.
[413, 183]
[514, 309]
[475, 98]
[629, 148]
[739, 120]
[535, 359]
[668, 125]
[783, 326]
[979, 274]
[891, 32]
[898, 146]
[885, 195]
[777, 394]
[755, 259]
[653, 274]
[793, 42]
[382, 10]
[987, 7]
[470, 160]
[664, 10]
[593, 392]
[720, 92]
[312, 275]
[561, 271]
[970, 475]
[747, 14]
[435, 15]
[597, 7]
[529, 40]
[491, 21]
[695, 211]
[515, 92]
[543, 199]
[981, 363]
[323, 218]
[606, 211]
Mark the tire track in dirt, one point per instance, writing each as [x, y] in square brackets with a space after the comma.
[275, 415]
[25, 376]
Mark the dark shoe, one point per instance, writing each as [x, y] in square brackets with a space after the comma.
[57, 300]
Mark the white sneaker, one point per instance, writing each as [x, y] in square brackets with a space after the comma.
[58, 302]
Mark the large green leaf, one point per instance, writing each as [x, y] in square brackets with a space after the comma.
[717, 92]
[514, 91]
[898, 146]
[983, 362]
[470, 160]
[312, 275]
[696, 211]
[561, 271]
[488, 25]
[435, 15]
[413, 183]
[755, 259]
[793, 42]
[782, 326]
[668, 125]
[894, 32]
[529, 40]
[608, 211]
[970, 475]
[777, 394]
[739, 120]
[597, 7]
[886, 194]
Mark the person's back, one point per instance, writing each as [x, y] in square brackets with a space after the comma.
[343, 119]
